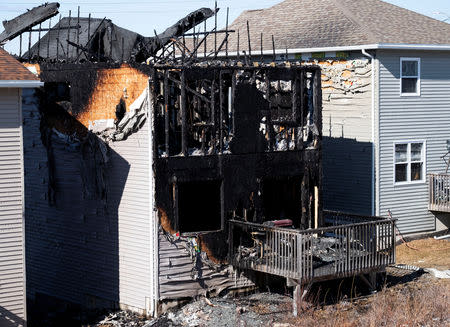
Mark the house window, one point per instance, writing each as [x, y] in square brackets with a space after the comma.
[409, 161]
[410, 76]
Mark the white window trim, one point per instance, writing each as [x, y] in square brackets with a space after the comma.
[408, 162]
[417, 94]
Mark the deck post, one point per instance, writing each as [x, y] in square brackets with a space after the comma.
[297, 300]
[300, 292]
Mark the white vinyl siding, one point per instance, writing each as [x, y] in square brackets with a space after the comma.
[424, 118]
[12, 268]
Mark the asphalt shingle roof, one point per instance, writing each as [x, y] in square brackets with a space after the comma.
[12, 70]
[333, 23]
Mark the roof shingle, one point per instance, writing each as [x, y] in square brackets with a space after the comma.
[297, 24]
[12, 70]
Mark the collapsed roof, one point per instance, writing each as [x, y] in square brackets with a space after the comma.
[26, 21]
[75, 39]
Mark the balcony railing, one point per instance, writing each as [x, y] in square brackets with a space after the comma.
[439, 192]
[351, 245]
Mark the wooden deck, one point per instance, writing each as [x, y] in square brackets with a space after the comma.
[439, 192]
[349, 245]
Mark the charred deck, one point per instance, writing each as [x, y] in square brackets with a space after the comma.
[349, 245]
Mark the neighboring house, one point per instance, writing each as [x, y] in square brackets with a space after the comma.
[386, 98]
[13, 78]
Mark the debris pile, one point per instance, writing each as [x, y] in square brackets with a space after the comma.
[125, 319]
[263, 309]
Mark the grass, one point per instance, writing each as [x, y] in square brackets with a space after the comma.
[419, 304]
[406, 301]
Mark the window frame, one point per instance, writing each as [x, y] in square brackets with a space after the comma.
[417, 93]
[409, 162]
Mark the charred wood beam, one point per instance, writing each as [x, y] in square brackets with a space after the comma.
[209, 32]
[26, 21]
[68, 35]
[48, 29]
[221, 100]
[269, 116]
[199, 44]
[166, 111]
[201, 96]
[184, 135]
[77, 45]
[213, 114]
[176, 30]
[78, 32]
[225, 40]
[88, 43]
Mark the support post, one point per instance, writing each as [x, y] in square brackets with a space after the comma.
[297, 300]
[68, 36]
[78, 32]
[184, 145]
[166, 110]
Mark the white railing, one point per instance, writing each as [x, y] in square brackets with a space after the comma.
[439, 192]
[340, 250]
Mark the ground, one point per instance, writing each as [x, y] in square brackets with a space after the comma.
[406, 297]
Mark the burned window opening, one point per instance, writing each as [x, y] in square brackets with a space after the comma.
[233, 109]
[59, 93]
[282, 198]
[199, 206]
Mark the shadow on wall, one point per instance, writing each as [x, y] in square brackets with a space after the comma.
[73, 187]
[347, 175]
[9, 319]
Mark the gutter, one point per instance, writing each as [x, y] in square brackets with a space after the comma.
[21, 83]
[363, 47]
[372, 193]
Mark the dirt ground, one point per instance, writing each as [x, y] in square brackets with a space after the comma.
[426, 253]
[406, 297]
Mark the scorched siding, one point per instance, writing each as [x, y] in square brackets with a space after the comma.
[12, 268]
[414, 118]
[91, 246]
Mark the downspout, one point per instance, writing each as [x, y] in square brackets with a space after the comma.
[152, 302]
[372, 59]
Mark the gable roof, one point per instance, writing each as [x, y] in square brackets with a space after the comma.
[300, 24]
[12, 70]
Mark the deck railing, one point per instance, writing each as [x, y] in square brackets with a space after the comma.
[335, 251]
[439, 192]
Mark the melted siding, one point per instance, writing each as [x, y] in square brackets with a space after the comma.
[175, 281]
[347, 141]
[87, 249]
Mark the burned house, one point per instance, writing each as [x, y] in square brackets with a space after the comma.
[148, 183]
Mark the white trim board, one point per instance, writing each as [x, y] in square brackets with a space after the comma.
[387, 46]
[22, 84]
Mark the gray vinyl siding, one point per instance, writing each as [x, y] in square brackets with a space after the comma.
[347, 144]
[88, 248]
[425, 117]
[12, 268]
